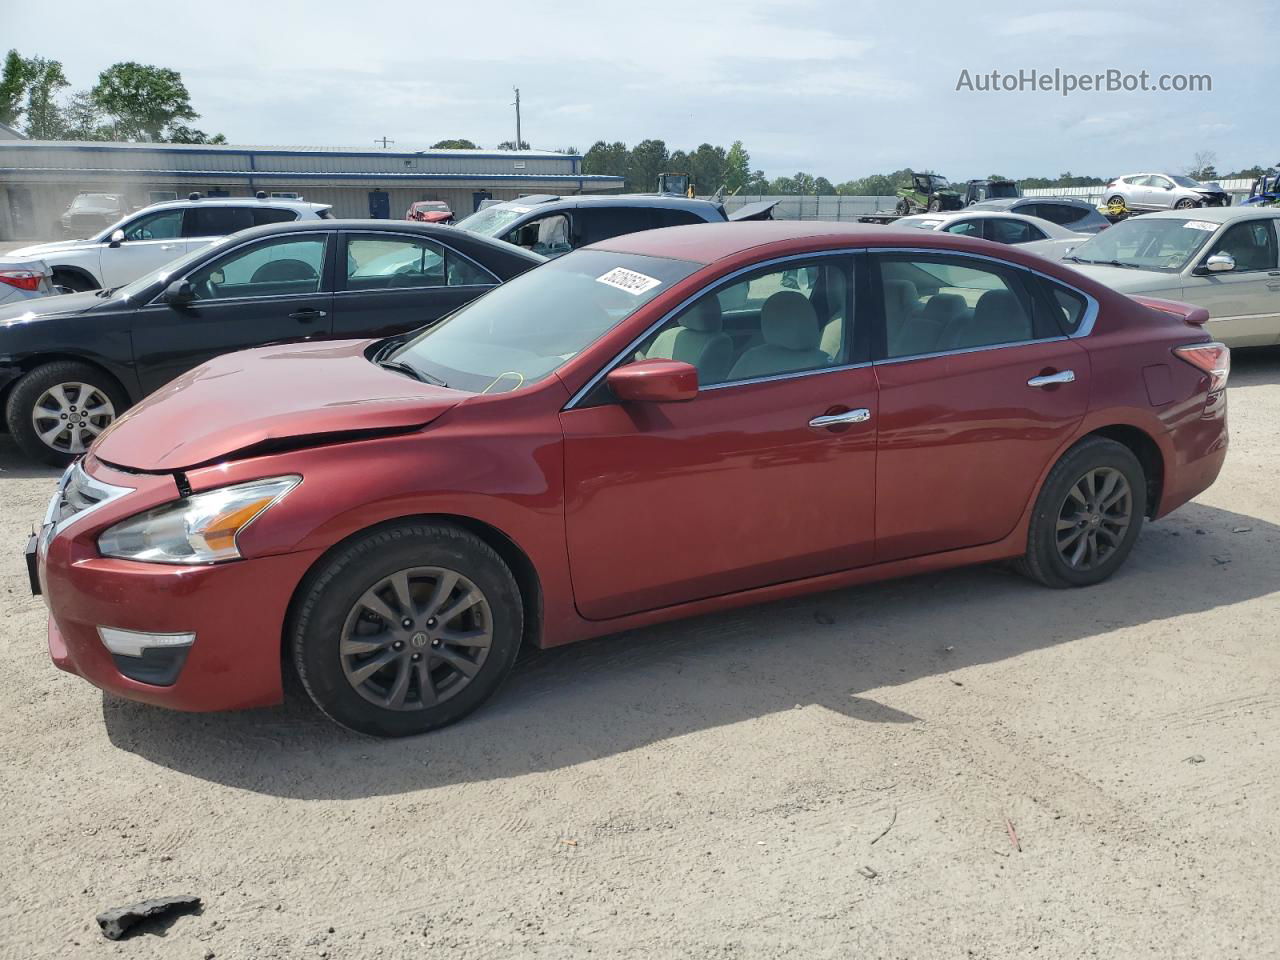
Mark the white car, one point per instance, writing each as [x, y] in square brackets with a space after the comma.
[1163, 191]
[1010, 228]
[151, 237]
[1225, 259]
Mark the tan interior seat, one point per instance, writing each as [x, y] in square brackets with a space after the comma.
[792, 339]
[697, 338]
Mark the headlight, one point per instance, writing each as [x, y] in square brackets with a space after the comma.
[198, 529]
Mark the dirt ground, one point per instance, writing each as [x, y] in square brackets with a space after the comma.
[838, 776]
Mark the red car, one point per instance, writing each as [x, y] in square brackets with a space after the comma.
[663, 424]
[429, 211]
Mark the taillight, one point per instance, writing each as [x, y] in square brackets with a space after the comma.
[1213, 358]
[22, 279]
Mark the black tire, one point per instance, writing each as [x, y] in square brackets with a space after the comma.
[21, 408]
[903, 208]
[935, 205]
[1186, 203]
[332, 595]
[74, 281]
[1044, 560]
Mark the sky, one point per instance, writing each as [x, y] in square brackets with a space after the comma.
[836, 89]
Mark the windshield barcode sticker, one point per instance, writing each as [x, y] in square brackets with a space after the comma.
[1199, 225]
[628, 280]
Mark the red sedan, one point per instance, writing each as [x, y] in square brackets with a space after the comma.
[429, 211]
[660, 425]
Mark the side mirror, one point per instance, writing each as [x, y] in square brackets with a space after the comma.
[1220, 263]
[654, 381]
[117, 238]
[179, 293]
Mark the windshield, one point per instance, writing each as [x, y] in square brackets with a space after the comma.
[939, 183]
[173, 268]
[525, 329]
[493, 221]
[1149, 243]
[1184, 181]
[997, 190]
[96, 201]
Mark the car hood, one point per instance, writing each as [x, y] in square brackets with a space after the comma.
[43, 249]
[270, 398]
[48, 308]
[1125, 280]
[760, 210]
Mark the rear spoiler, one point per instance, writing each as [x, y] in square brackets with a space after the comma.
[761, 210]
[1188, 313]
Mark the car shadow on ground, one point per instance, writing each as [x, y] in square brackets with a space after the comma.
[841, 650]
[1255, 366]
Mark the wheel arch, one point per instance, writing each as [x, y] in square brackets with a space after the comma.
[37, 360]
[512, 554]
[95, 283]
[1143, 446]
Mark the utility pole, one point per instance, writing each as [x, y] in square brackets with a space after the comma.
[517, 106]
[384, 141]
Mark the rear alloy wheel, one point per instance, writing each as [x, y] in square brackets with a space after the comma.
[1117, 201]
[56, 411]
[407, 629]
[1087, 517]
[1186, 203]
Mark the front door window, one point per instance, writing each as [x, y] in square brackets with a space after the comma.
[279, 267]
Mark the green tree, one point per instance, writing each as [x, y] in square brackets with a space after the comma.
[737, 167]
[454, 145]
[824, 187]
[648, 159]
[13, 88]
[511, 145]
[142, 100]
[181, 133]
[606, 159]
[707, 167]
[45, 80]
[82, 119]
[782, 185]
[757, 183]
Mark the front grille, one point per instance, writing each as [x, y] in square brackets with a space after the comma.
[78, 494]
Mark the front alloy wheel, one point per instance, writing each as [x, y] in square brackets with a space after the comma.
[416, 638]
[406, 627]
[69, 416]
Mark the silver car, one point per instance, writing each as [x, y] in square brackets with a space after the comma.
[1011, 228]
[23, 279]
[1223, 259]
[1163, 191]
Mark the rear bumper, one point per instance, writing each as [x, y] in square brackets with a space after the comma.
[1199, 450]
[237, 612]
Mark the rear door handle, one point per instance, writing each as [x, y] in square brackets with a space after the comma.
[1049, 379]
[861, 415]
[307, 314]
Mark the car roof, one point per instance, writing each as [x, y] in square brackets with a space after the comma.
[185, 202]
[1213, 214]
[1004, 203]
[660, 200]
[443, 233]
[1054, 230]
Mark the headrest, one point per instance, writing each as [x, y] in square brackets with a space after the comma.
[997, 305]
[703, 316]
[788, 320]
[944, 306]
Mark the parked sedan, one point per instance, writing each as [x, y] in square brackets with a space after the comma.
[70, 365]
[653, 427]
[429, 211]
[1073, 213]
[1222, 259]
[1010, 228]
[1163, 191]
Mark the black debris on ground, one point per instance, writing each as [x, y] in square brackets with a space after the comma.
[121, 922]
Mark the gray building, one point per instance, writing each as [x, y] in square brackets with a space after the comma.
[40, 178]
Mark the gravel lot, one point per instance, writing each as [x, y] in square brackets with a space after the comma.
[717, 788]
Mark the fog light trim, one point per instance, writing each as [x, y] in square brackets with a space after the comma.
[133, 643]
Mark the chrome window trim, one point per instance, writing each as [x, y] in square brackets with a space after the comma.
[418, 236]
[1084, 329]
[657, 324]
[326, 234]
[1086, 322]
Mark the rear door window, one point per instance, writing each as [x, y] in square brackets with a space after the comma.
[675, 218]
[216, 221]
[603, 223]
[1001, 230]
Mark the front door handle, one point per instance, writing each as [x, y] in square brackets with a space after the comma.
[307, 314]
[861, 415]
[1049, 379]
